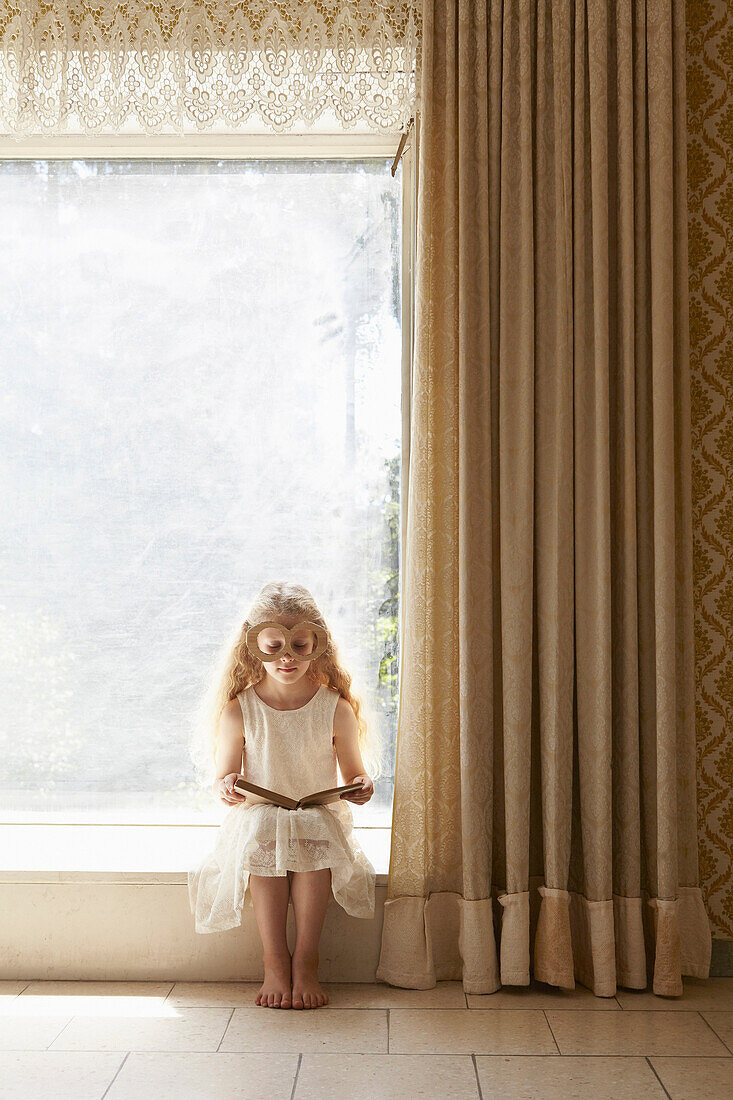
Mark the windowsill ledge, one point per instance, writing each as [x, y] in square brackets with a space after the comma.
[144, 854]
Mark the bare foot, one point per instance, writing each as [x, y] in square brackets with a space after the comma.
[307, 991]
[275, 990]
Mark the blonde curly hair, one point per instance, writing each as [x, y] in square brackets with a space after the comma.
[238, 669]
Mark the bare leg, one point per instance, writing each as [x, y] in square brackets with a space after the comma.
[270, 895]
[310, 891]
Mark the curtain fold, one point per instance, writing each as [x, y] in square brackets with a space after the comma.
[177, 66]
[544, 816]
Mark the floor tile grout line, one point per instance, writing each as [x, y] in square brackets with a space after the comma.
[388, 1012]
[612, 1054]
[718, 1037]
[536, 1008]
[647, 1059]
[475, 1070]
[223, 1034]
[395, 1054]
[295, 1079]
[552, 1033]
[109, 1086]
[441, 1008]
[59, 1034]
[350, 1008]
[173, 986]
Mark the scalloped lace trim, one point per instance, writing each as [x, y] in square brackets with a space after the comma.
[166, 66]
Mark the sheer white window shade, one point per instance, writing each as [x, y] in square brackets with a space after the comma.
[178, 66]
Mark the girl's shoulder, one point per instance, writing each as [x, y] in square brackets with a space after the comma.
[241, 702]
[233, 706]
[244, 698]
[341, 705]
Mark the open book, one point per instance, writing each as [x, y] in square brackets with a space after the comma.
[318, 798]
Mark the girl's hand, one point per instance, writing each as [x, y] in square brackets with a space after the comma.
[224, 789]
[362, 796]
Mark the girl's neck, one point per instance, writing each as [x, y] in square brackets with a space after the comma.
[284, 697]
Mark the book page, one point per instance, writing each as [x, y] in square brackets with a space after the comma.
[263, 794]
[332, 794]
[318, 798]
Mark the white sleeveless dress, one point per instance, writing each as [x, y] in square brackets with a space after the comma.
[291, 751]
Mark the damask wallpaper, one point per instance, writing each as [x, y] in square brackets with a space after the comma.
[710, 236]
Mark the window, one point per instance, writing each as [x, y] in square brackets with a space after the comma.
[202, 378]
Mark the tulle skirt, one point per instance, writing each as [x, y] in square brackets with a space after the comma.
[263, 839]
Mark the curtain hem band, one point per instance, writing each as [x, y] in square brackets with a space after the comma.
[599, 944]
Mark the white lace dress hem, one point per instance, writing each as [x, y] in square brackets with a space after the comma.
[269, 840]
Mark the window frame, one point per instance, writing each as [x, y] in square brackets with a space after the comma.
[219, 147]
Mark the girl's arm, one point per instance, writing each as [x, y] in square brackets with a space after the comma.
[229, 753]
[346, 742]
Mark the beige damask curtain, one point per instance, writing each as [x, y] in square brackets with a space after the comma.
[545, 803]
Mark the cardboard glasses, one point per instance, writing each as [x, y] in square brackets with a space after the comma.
[283, 638]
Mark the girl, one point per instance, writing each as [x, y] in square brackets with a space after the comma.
[283, 723]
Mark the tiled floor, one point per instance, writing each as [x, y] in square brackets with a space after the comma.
[155, 1040]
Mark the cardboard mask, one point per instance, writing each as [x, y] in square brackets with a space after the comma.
[283, 639]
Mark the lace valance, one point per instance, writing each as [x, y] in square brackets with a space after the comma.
[172, 66]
